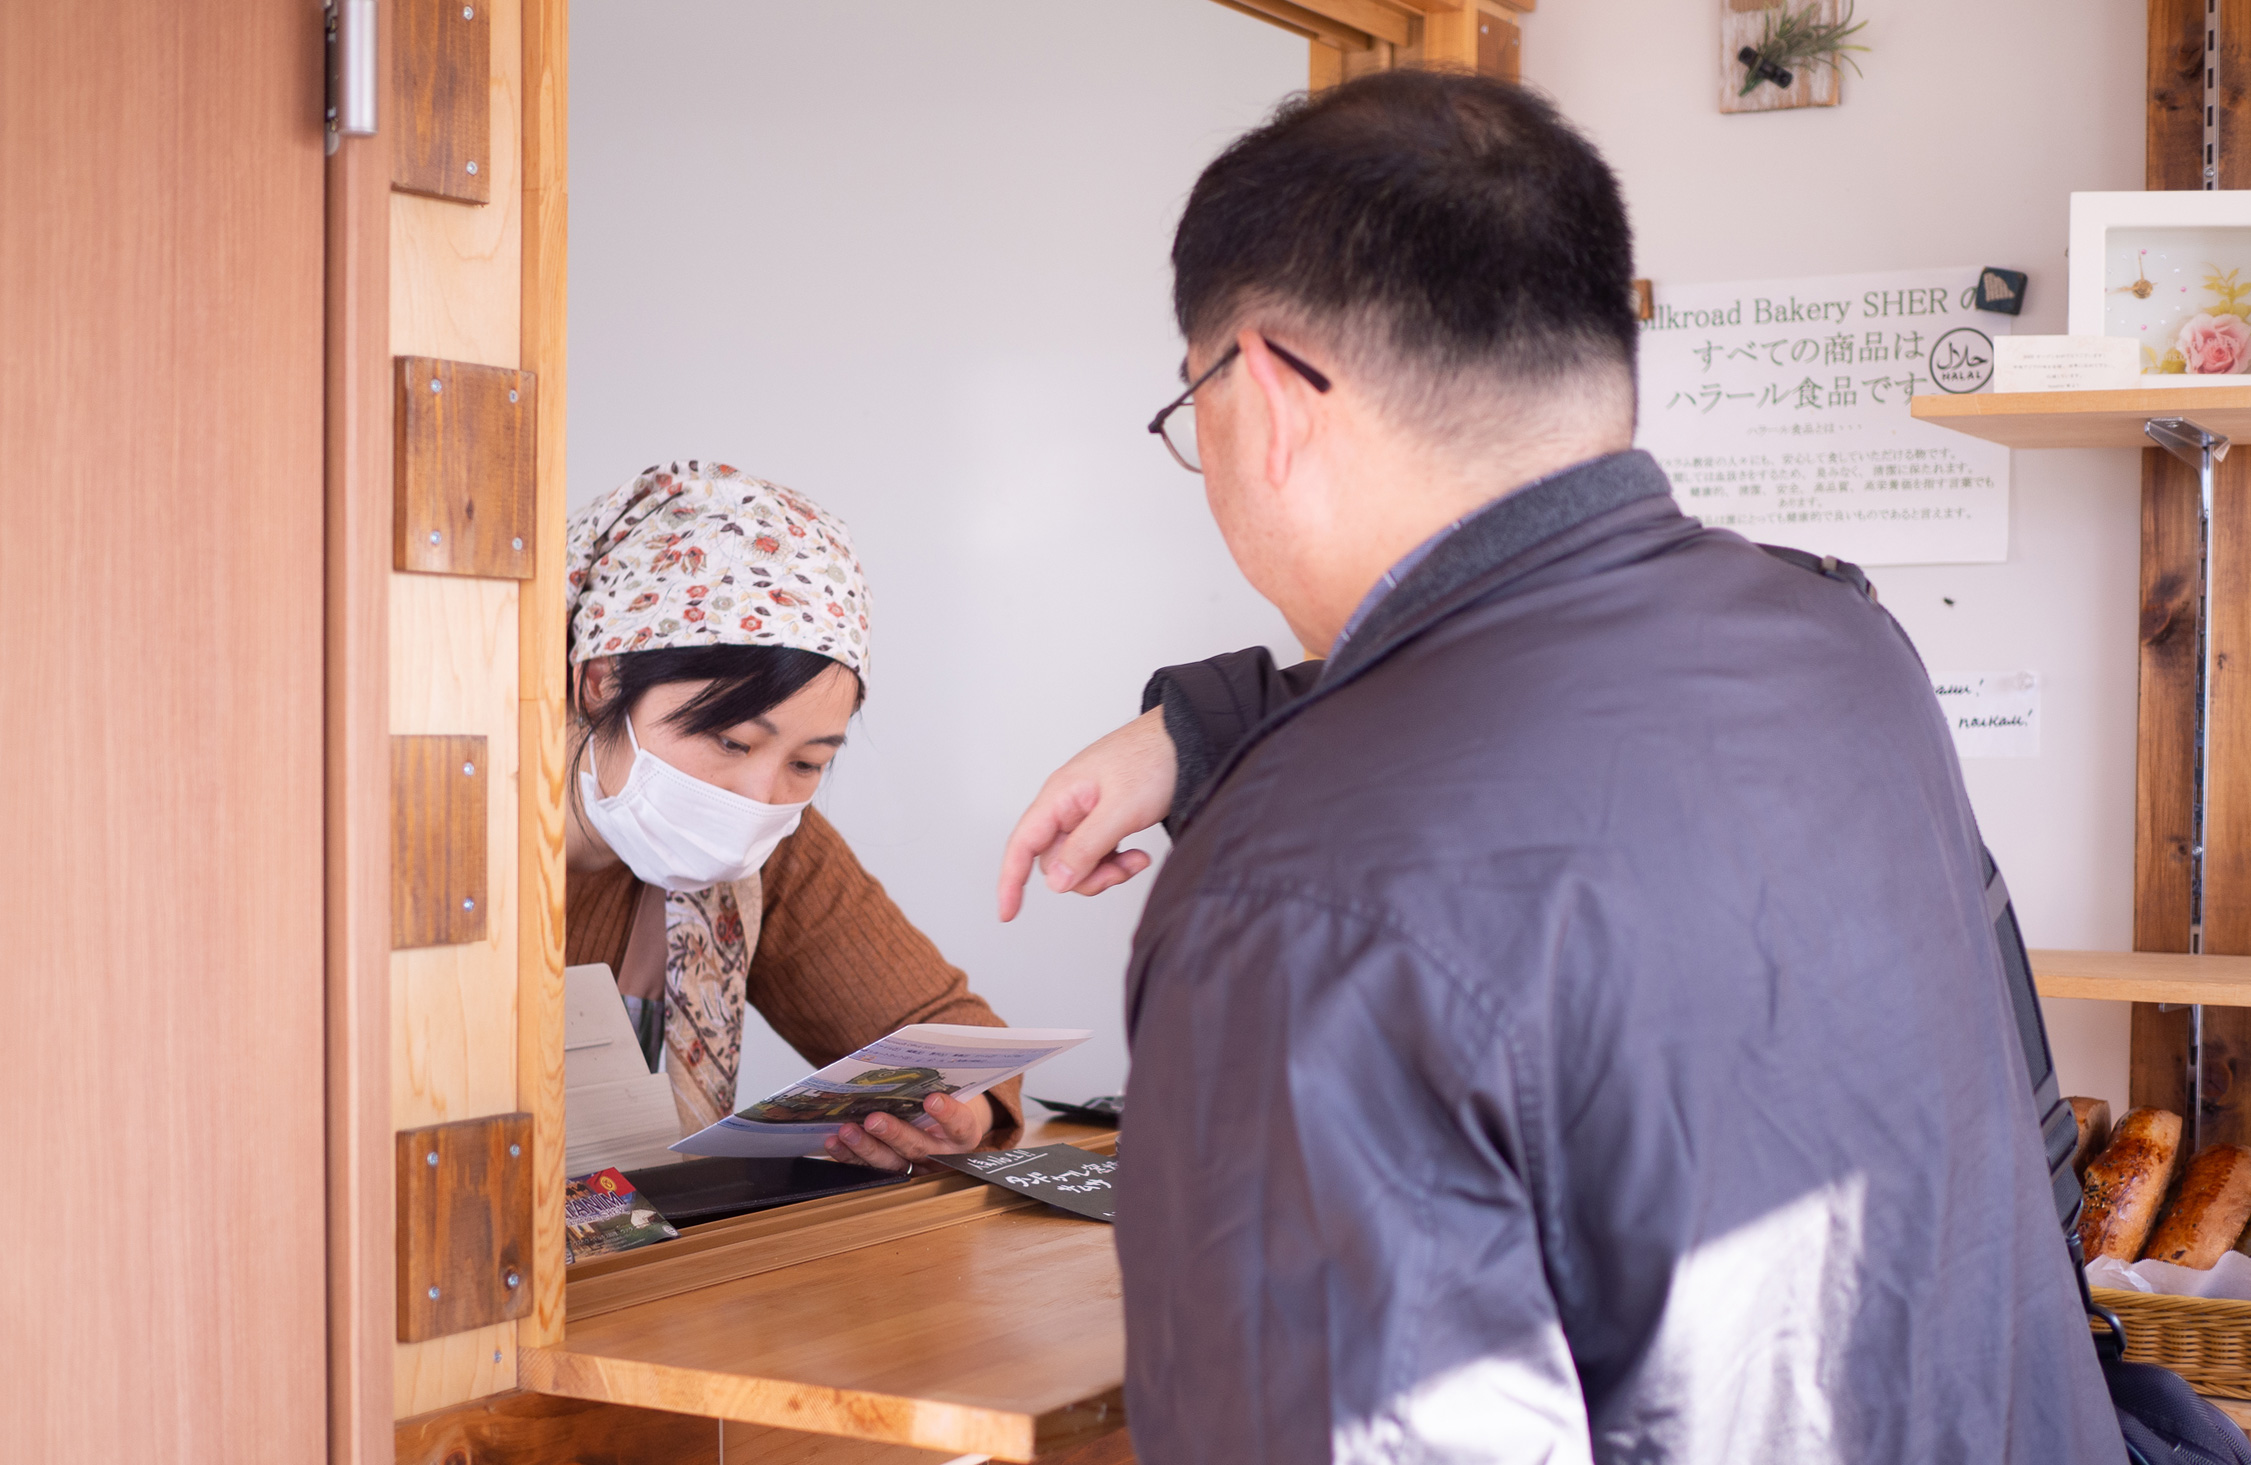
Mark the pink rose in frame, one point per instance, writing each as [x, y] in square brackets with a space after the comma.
[2215, 345]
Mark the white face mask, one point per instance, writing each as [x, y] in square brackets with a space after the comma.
[679, 832]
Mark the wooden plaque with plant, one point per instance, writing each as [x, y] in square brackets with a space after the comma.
[1776, 54]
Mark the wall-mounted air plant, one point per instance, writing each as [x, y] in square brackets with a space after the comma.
[1794, 39]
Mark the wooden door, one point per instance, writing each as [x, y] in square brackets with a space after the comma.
[161, 1010]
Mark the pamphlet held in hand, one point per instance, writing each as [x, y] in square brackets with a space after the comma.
[891, 1075]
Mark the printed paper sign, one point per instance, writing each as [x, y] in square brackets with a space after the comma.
[1780, 410]
[1994, 714]
[2065, 364]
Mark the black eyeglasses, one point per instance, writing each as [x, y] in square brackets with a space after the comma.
[1179, 431]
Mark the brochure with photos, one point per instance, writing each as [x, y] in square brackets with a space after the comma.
[602, 1213]
[891, 1075]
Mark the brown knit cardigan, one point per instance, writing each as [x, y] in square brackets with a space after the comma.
[837, 964]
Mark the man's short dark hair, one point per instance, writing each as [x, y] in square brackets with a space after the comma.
[1435, 225]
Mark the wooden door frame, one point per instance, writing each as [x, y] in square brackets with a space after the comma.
[358, 495]
[358, 795]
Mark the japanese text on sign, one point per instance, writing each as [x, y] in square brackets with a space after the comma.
[1780, 410]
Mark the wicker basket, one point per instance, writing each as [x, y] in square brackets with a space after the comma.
[2205, 1340]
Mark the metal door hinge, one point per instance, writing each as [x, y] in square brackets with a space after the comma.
[351, 70]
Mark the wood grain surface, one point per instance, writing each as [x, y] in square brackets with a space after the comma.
[161, 401]
[464, 1225]
[463, 464]
[2233, 79]
[453, 1008]
[2165, 740]
[870, 1287]
[847, 1224]
[2084, 419]
[1301, 20]
[2144, 976]
[2165, 767]
[440, 110]
[2174, 135]
[2161, 1045]
[362, 1300]
[1000, 1335]
[456, 270]
[539, 657]
[438, 831]
[2224, 1113]
[540, 1429]
[1500, 47]
[456, 292]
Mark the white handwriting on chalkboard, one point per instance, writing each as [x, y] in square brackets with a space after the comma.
[1061, 1179]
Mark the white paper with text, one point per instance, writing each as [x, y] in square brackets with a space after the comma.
[1993, 714]
[1780, 410]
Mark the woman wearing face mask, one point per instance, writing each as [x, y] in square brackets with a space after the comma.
[718, 649]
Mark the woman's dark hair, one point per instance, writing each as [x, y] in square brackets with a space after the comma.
[746, 682]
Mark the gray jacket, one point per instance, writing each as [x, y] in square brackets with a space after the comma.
[1571, 1030]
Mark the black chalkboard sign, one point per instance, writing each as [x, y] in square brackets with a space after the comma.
[1062, 1175]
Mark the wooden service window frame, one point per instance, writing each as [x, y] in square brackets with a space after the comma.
[590, 1398]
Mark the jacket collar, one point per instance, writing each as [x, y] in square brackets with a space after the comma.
[1509, 538]
[1492, 537]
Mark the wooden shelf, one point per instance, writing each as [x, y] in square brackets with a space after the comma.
[2085, 419]
[2144, 976]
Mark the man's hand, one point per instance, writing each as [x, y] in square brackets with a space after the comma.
[950, 1127]
[1112, 790]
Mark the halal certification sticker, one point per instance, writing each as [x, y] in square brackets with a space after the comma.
[1962, 360]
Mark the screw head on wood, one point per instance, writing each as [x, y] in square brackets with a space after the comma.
[468, 12]
[515, 1152]
[468, 903]
[512, 1279]
[436, 385]
[468, 770]
[472, 167]
[433, 1294]
[511, 396]
[435, 536]
[516, 544]
[431, 1158]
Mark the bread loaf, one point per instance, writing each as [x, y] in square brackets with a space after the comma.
[2094, 1132]
[2208, 1214]
[2127, 1182]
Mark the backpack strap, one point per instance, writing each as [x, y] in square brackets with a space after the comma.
[1828, 566]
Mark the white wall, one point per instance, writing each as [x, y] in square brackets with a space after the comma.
[1974, 122]
[910, 259]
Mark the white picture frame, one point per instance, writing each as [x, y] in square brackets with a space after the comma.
[2172, 271]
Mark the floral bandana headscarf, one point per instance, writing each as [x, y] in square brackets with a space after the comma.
[699, 554]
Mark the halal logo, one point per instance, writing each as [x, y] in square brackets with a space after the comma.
[1962, 360]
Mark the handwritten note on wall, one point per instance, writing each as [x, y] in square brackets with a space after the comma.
[1779, 409]
[1994, 714]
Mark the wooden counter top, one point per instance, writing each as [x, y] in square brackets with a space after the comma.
[943, 1314]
